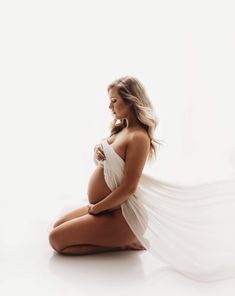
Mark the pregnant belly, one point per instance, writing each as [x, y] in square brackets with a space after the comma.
[97, 188]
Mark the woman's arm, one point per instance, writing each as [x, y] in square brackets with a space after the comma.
[136, 155]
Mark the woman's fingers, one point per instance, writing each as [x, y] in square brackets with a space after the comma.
[100, 150]
[100, 153]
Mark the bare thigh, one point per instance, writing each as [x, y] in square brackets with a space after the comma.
[71, 215]
[107, 230]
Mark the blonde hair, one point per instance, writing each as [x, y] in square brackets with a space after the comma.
[131, 90]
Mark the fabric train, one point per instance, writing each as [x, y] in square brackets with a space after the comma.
[191, 228]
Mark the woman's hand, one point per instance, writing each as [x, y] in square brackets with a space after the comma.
[91, 209]
[99, 152]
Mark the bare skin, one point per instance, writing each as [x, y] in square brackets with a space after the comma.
[80, 232]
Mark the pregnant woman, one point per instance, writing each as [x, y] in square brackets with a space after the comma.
[100, 226]
[191, 228]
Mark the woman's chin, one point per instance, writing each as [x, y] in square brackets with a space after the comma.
[116, 116]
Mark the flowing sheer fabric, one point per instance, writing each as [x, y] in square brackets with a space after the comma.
[191, 228]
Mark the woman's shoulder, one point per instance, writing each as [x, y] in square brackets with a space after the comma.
[138, 137]
[138, 148]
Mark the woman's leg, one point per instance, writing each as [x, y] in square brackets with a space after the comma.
[88, 249]
[92, 249]
[93, 234]
[71, 215]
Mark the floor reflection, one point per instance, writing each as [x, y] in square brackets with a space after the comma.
[101, 270]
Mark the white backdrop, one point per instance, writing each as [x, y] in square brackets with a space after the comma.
[57, 58]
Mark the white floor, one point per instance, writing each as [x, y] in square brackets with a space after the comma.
[30, 267]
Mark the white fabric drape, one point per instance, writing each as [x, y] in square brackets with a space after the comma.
[191, 228]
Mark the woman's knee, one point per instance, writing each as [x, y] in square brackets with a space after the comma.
[56, 241]
[59, 222]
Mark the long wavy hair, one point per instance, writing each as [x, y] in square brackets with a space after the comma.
[132, 91]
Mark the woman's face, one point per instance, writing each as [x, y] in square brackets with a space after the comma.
[117, 105]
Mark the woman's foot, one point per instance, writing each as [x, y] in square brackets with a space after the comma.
[136, 245]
